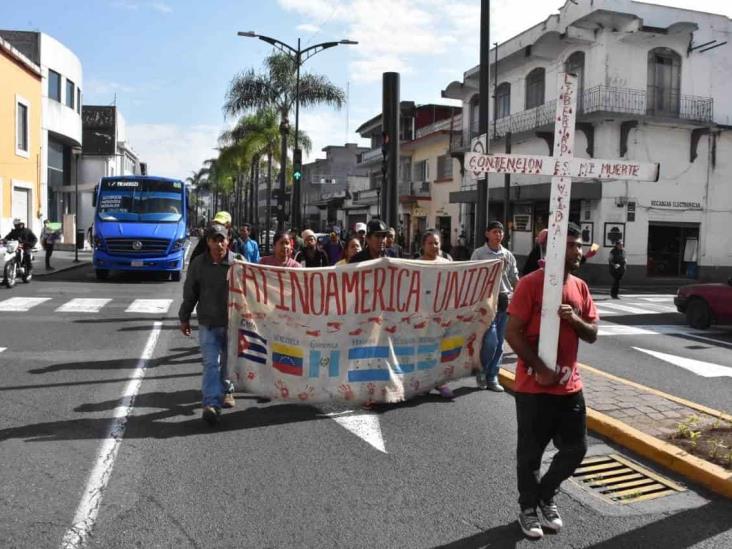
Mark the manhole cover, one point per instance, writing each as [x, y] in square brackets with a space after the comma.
[622, 481]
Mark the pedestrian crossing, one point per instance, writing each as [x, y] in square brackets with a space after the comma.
[637, 304]
[85, 305]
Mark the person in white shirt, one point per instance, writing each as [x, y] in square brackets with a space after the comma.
[492, 350]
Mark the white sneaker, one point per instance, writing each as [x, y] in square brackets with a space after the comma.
[550, 516]
[529, 522]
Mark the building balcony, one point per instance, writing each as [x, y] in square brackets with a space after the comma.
[414, 189]
[369, 157]
[454, 124]
[661, 104]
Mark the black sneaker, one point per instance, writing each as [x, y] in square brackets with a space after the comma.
[529, 522]
[550, 515]
[211, 415]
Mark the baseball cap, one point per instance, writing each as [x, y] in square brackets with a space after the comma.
[216, 229]
[376, 226]
[494, 225]
[307, 233]
[222, 217]
[360, 227]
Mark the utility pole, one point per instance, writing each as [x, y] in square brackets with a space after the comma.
[481, 207]
[390, 115]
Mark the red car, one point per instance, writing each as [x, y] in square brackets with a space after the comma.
[705, 304]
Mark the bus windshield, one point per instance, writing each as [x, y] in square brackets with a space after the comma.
[146, 200]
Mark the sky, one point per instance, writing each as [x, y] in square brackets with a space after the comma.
[169, 63]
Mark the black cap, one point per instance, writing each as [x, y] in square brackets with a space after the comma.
[216, 230]
[376, 226]
[494, 225]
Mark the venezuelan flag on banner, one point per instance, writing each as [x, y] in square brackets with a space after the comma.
[451, 347]
[287, 359]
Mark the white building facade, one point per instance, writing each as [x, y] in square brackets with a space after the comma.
[654, 86]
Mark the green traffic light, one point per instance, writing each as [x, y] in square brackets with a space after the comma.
[297, 176]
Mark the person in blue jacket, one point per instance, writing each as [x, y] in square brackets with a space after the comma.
[248, 247]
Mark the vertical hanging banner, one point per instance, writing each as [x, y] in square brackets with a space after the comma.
[381, 331]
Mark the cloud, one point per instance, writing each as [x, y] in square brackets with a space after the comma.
[172, 150]
[96, 87]
[307, 27]
[132, 5]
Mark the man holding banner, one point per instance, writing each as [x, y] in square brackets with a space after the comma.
[549, 400]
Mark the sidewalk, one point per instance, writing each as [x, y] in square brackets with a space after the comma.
[641, 419]
[61, 260]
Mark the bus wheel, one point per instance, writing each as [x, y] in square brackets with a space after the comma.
[175, 276]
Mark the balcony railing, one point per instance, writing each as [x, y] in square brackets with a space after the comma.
[370, 156]
[454, 123]
[414, 188]
[662, 103]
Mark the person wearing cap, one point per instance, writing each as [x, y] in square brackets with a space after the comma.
[492, 349]
[206, 289]
[223, 219]
[311, 255]
[617, 267]
[376, 232]
[333, 248]
[360, 230]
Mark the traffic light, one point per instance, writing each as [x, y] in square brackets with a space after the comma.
[297, 165]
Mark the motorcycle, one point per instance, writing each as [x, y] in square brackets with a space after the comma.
[13, 265]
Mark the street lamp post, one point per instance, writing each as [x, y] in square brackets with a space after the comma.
[298, 56]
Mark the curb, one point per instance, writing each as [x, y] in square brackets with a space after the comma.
[62, 269]
[709, 475]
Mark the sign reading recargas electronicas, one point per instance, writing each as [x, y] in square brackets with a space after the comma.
[381, 331]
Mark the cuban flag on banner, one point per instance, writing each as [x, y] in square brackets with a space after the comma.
[450, 348]
[287, 358]
[252, 346]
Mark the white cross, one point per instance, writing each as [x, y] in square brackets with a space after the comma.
[562, 166]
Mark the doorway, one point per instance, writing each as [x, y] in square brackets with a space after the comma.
[444, 225]
[673, 249]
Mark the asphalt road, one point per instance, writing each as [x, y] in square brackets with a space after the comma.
[273, 475]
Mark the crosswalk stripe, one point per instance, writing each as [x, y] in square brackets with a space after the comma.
[21, 303]
[149, 306]
[83, 305]
[624, 308]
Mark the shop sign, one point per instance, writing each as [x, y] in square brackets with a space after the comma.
[676, 205]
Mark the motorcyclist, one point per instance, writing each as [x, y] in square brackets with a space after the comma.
[26, 238]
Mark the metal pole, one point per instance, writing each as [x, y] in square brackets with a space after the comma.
[390, 116]
[481, 208]
[76, 210]
[296, 197]
[507, 190]
[284, 127]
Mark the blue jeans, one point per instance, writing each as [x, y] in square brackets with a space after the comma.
[214, 383]
[492, 350]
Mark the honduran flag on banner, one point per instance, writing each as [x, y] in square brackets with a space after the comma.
[287, 358]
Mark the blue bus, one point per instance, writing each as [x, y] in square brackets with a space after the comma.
[140, 224]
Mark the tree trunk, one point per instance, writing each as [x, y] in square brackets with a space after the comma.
[255, 196]
[268, 211]
[284, 130]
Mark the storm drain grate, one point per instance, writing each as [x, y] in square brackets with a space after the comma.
[622, 481]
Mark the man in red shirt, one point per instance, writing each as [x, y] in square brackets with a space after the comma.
[549, 400]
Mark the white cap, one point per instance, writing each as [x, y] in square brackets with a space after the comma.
[360, 227]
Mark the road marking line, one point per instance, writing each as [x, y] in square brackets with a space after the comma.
[83, 305]
[624, 308]
[21, 304]
[2, 349]
[149, 306]
[362, 424]
[609, 329]
[86, 513]
[698, 367]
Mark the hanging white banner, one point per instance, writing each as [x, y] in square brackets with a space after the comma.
[380, 331]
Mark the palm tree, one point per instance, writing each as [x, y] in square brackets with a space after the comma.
[259, 135]
[276, 89]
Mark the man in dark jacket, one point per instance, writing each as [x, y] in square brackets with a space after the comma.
[206, 286]
[311, 255]
[376, 232]
[25, 236]
[617, 267]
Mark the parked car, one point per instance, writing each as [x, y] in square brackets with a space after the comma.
[705, 304]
